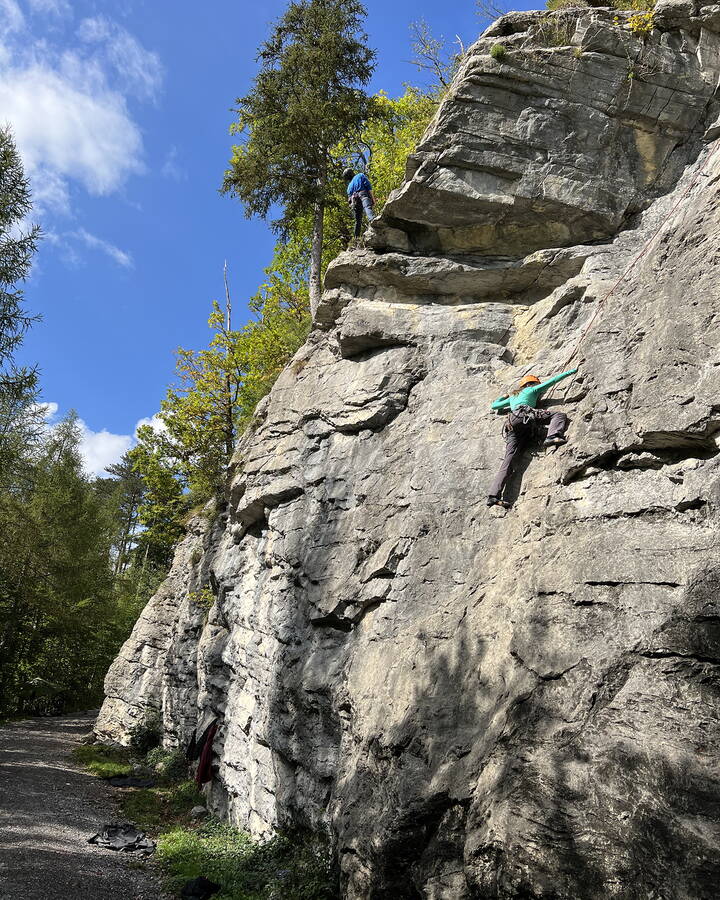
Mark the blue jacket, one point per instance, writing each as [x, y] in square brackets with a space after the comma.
[359, 183]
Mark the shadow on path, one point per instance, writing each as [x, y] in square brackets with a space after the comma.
[49, 807]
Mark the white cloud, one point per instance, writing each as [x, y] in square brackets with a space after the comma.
[11, 17]
[171, 169]
[99, 449]
[155, 422]
[67, 243]
[50, 7]
[139, 71]
[68, 106]
[120, 256]
[63, 132]
[49, 410]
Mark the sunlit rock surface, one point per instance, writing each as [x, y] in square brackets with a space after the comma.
[476, 703]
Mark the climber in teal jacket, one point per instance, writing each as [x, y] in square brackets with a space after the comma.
[522, 421]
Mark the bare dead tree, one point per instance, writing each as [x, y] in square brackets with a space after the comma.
[489, 10]
[431, 54]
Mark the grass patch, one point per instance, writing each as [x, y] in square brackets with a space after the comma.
[105, 762]
[165, 806]
[296, 866]
[287, 867]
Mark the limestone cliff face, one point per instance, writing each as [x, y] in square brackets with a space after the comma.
[479, 703]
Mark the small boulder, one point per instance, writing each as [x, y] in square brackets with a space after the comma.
[198, 812]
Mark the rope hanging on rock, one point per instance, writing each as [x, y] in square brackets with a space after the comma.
[630, 266]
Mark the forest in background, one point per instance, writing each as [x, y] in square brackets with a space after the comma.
[80, 556]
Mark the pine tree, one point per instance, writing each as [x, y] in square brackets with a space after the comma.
[56, 605]
[306, 98]
[17, 247]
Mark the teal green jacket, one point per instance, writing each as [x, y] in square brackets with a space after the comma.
[530, 396]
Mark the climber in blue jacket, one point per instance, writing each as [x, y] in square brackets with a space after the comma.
[523, 419]
[360, 197]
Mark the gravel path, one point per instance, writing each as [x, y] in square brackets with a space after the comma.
[49, 807]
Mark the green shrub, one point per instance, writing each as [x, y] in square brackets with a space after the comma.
[554, 5]
[170, 764]
[105, 762]
[203, 598]
[287, 867]
[641, 24]
[167, 806]
[498, 52]
[633, 5]
[146, 735]
[555, 30]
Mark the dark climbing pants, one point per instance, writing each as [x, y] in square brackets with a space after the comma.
[361, 201]
[517, 439]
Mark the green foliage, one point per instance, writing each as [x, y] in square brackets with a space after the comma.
[147, 734]
[430, 54]
[296, 866]
[217, 389]
[305, 99]
[61, 622]
[394, 135]
[382, 150]
[498, 52]
[287, 867]
[212, 403]
[554, 5]
[641, 24]
[105, 762]
[203, 598]
[164, 501]
[555, 30]
[169, 764]
[634, 5]
[17, 248]
[164, 807]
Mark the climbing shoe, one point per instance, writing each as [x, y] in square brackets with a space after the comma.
[496, 501]
[555, 442]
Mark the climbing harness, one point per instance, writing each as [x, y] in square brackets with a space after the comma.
[522, 418]
[521, 415]
[632, 265]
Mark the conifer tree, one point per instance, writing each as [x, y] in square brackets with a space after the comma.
[17, 247]
[307, 97]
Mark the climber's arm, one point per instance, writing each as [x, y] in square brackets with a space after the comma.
[500, 403]
[541, 388]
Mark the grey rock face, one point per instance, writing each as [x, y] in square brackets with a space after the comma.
[486, 703]
[553, 146]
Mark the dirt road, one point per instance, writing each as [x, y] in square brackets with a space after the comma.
[49, 807]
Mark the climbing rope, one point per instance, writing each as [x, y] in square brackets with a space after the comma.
[630, 266]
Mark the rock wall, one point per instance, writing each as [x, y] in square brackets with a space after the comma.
[480, 703]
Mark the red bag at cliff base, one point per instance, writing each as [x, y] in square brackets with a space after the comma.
[204, 769]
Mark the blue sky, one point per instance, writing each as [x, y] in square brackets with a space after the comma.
[121, 112]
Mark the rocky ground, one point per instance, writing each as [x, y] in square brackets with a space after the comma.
[50, 807]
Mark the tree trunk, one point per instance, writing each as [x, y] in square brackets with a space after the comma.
[316, 257]
[229, 421]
